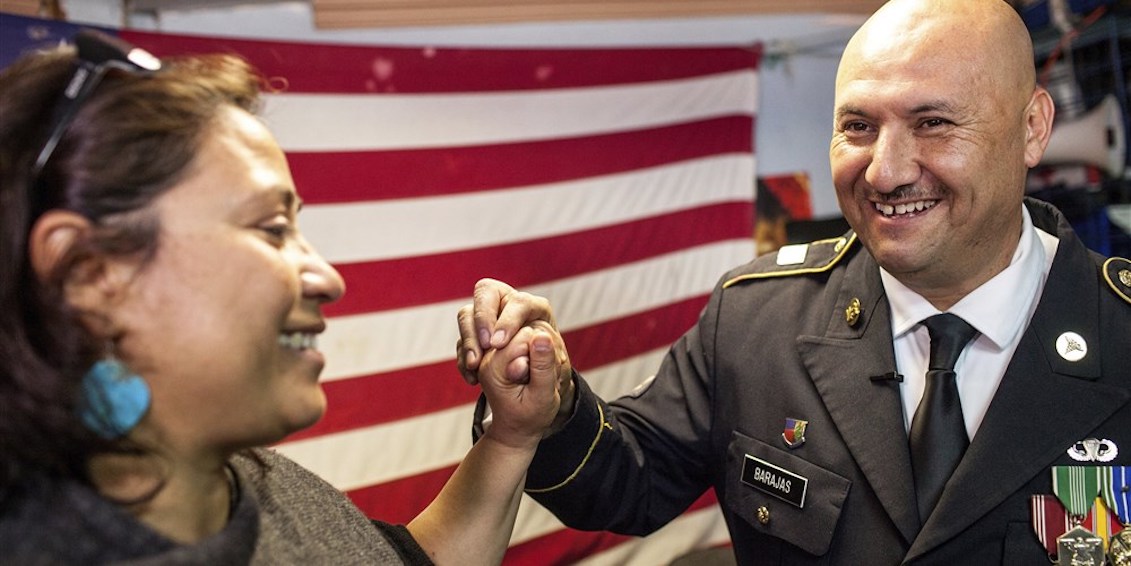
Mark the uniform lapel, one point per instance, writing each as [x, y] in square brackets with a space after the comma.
[867, 413]
[1044, 403]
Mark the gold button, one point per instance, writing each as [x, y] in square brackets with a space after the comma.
[1125, 277]
[839, 245]
[764, 515]
[852, 312]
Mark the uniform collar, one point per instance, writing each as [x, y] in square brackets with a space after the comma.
[1000, 307]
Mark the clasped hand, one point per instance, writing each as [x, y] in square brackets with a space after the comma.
[509, 344]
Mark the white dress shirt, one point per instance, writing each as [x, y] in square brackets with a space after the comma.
[999, 309]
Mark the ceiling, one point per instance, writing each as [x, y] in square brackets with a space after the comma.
[338, 14]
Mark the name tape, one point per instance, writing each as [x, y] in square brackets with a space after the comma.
[774, 480]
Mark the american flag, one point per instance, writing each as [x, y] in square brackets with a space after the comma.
[618, 183]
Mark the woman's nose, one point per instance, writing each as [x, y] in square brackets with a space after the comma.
[319, 279]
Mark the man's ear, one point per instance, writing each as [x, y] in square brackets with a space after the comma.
[90, 281]
[1038, 125]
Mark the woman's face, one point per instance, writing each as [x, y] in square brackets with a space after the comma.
[221, 323]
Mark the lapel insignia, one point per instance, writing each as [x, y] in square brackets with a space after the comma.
[1093, 450]
[794, 434]
[852, 312]
[1071, 346]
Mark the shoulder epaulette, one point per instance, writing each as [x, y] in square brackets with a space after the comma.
[800, 259]
[1117, 273]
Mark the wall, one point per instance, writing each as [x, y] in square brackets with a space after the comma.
[796, 80]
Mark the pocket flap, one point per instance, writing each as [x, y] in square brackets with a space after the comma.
[783, 495]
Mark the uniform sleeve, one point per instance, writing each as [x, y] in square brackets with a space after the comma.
[632, 465]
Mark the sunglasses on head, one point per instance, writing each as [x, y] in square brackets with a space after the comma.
[96, 54]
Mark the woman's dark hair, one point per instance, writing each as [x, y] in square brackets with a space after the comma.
[131, 140]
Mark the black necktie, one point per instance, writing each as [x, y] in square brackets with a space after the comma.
[938, 433]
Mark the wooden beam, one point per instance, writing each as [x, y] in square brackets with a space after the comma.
[20, 7]
[159, 5]
[336, 14]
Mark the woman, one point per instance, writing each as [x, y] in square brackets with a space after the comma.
[158, 315]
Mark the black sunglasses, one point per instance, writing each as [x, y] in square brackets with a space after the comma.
[97, 53]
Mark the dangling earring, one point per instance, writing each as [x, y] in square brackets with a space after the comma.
[114, 398]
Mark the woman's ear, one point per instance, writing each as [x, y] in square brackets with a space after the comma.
[88, 284]
[53, 238]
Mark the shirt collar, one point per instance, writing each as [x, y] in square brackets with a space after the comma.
[998, 308]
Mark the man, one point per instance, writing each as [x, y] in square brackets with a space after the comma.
[797, 396]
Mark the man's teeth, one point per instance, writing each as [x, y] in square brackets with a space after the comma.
[297, 340]
[890, 210]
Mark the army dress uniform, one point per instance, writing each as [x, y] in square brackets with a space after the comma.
[779, 399]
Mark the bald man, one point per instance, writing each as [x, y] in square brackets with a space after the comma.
[801, 394]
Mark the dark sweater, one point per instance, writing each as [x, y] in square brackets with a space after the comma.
[284, 515]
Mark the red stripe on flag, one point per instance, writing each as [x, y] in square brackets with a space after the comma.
[568, 546]
[419, 280]
[337, 68]
[399, 501]
[332, 177]
[385, 397]
[424, 389]
[622, 338]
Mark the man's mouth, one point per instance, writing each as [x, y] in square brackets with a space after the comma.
[890, 210]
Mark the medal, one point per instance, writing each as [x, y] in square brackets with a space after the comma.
[1115, 487]
[1077, 488]
[1050, 520]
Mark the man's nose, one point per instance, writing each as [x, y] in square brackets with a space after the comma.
[894, 161]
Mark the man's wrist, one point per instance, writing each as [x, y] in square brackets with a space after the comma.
[568, 406]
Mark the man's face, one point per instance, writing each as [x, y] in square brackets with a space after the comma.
[928, 155]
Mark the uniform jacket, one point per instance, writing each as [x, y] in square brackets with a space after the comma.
[782, 342]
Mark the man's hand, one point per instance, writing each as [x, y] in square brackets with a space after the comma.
[528, 384]
[496, 314]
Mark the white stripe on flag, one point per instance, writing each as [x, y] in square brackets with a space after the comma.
[367, 456]
[581, 301]
[367, 231]
[344, 122]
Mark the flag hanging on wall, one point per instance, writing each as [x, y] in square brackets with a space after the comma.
[616, 182]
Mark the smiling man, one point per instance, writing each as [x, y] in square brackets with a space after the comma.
[904, 393]
[937, 121]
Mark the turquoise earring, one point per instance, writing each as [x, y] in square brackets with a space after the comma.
[115, 398]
